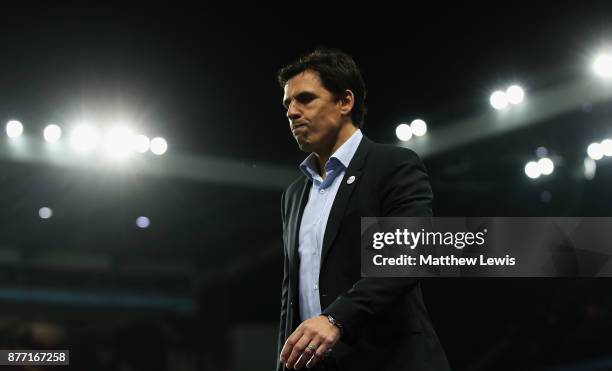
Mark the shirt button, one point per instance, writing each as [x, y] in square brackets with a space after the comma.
[316, 287]
[322, 191]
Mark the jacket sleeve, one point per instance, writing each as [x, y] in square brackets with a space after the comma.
[284, 293]
[404, 192]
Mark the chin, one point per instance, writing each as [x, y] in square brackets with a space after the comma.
[305, 146]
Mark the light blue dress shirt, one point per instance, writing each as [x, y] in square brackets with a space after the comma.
[314, 220]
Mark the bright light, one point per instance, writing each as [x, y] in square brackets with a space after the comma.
[143, 222]
[14, 129]
[141, 143]
[418, 127]
[84, 138]
[546, 166]
[159, 146]
[603, 65]
[515, 94]
[606, 147]
[595, 151]
[590, 167]
[118, 142]
[532, 170]
[499, 100]
[52, 133]
[403, 132]
[45, 213]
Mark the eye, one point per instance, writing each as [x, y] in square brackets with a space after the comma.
[305, 98]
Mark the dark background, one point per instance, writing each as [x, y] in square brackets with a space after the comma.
[199, 289]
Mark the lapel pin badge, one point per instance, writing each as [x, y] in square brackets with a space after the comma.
[350, 180]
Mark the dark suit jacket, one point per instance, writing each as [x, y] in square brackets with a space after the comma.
[386, 325]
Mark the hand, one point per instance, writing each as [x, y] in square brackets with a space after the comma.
[309, 342]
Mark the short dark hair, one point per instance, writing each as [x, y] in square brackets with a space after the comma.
[338, 72]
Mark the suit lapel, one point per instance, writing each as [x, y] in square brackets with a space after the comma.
[297, 210]
[336, 213]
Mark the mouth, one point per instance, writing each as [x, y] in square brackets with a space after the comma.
[298, 128]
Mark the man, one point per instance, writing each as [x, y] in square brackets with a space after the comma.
[331, 317]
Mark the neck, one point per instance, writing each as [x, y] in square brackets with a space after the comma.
[323, 155]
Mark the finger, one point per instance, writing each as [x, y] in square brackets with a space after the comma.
[297, 351]
[313, 361]
[289, 344]
[301, 360]
[286, 351]
[322, 352]
[306, 356]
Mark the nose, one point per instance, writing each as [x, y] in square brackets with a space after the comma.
[292, 112]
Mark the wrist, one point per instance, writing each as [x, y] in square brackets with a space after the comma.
[335, 323]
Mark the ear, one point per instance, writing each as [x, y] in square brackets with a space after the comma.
[347, 101]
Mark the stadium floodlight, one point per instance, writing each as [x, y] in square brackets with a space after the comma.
[515, 94]
[143, 222]
[532, 170]
[499, 100]
[159, 146]
[606, 147]
[45, 213]
[14, 129]
[595, 151]
[141, 143]
[602, 65]
[84, 138]
[418, 127]
[546, 166]
[52, 133]
[403, 132]
[118, 142]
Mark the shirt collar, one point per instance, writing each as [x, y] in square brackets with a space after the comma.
[342, 156]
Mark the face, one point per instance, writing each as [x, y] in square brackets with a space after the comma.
[315, 116]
